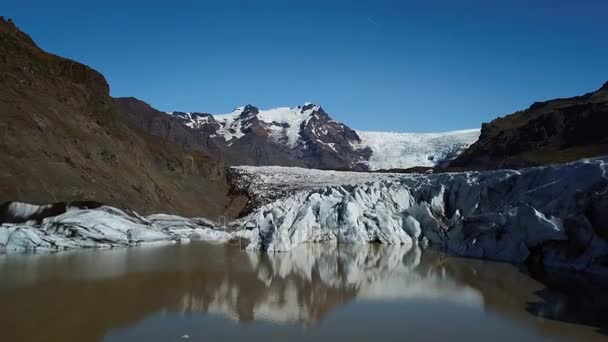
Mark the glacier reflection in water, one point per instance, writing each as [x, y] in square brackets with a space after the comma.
[313, 292]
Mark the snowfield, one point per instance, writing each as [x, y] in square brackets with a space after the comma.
[554, 215]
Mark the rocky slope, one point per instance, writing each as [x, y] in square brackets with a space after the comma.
[164, 126]
[62, 138]
[555, 131]
[306, 136]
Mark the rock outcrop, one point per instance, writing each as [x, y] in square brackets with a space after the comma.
[555, 131]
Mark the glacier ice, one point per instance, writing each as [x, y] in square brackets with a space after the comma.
[104, 227]
[553, 215]
[404, 150]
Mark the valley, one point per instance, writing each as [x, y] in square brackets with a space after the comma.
[121, 222]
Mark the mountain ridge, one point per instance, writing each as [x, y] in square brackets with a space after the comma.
[308, 137]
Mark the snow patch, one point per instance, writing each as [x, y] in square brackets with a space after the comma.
[290, 121]
[283, 124]
[230, 124]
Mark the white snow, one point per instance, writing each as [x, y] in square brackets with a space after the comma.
[404, 150]
[194, 121]
[293, 118]
[230, 124]
[283, 123]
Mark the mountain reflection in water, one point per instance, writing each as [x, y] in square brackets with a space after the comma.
[89, 295]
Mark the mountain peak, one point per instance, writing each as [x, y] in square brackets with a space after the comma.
[246, 110]
[300, 109]
[10, 33]
[309, 105]
[250, 108]
[605, 86]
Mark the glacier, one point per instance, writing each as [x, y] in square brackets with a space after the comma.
[555, 216]
[391, 150]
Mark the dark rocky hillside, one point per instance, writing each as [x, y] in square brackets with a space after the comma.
[555, 131]
[167, 127]
[62, 138]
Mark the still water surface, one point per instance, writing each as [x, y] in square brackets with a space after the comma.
[316, 292]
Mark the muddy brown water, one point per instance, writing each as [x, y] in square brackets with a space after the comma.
[316, 292]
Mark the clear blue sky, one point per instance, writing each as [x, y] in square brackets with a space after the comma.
[375, 65]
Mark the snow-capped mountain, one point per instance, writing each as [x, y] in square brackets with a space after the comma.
[302, 136]
[307, 136]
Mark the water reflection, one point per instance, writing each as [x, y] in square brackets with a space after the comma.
[83, 295]
[572, 298]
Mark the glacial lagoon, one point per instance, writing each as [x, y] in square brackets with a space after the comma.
[316, 292]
